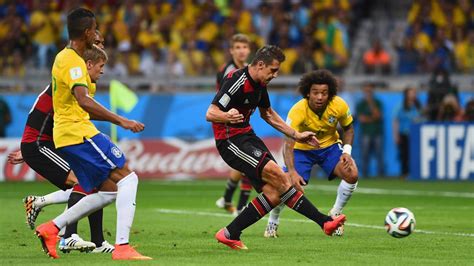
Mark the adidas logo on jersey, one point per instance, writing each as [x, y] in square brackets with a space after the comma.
[246, 101]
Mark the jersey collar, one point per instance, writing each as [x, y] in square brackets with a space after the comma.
[253, 82]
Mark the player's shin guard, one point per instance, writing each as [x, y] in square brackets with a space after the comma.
[72, 227]
[229, 190]
[125, 204]
[298, 202]
[84, 207]
[255, 210]
[344, 193]
[245, 190]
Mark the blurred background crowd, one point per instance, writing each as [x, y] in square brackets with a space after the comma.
[189, 37]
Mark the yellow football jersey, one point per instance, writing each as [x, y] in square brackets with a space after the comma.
[71, 123]
[302, 118]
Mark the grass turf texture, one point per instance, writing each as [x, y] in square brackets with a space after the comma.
[175, 223]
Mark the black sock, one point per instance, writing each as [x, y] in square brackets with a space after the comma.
[245, 189]
[95, 224]
[298, 202]
[255, 210]
[229, 190]
[73, 199]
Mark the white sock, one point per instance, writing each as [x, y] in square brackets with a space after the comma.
[84, 207]
[62, 231]
[60, 196]
[344, 193]
[125, 204]
[275, 214]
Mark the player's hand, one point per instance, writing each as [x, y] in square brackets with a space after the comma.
[234, 117]
[15, 157]
[346, 161]
[297, 181]
[132, 125]
[307, 137]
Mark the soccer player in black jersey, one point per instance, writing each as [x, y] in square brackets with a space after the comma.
[240, 51]
[241, 92]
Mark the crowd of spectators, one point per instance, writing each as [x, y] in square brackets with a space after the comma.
[440, 34]
[186, 37]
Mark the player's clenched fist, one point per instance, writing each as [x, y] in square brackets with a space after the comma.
[234, 116]
[132, 125]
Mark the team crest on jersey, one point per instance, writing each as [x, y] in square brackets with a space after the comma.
[75, 72]
[257, 153]
[331, 119]
[116, 152]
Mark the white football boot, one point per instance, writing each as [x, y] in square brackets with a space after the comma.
[271, 231]
[105, 248]
[75, 242]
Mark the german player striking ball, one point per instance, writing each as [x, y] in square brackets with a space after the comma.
[400, 222]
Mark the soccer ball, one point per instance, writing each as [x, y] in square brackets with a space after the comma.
[400, 222]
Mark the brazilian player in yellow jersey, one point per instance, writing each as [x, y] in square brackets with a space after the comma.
[320, 111]
[95, 160]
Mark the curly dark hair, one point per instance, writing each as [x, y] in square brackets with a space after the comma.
[320, 76]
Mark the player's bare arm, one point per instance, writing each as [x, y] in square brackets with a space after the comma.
[289, 159]
[15, 157]
[274, 119]
[99, 112]
[216, 115]
[348, 139]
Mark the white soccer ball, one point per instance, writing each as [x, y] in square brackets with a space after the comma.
[400, 222]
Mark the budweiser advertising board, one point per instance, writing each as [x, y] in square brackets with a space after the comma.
[152, 159]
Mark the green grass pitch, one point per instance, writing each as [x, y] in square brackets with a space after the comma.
[175, 223]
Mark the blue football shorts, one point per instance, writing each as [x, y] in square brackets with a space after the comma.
[327, 158]
[93, 160]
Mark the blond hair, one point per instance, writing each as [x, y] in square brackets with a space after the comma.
[95, 54]
[239, 37]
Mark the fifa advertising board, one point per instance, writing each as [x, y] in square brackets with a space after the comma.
[442, 151]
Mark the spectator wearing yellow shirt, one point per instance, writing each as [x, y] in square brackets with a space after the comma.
[464, 53]
[44, 31]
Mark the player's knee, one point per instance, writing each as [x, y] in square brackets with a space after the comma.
[351, 176]
[272, 194]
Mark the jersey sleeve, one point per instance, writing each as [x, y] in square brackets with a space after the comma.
[264, 100]
[345, 117]
[75, 73]
[227, 95]
[295, 117]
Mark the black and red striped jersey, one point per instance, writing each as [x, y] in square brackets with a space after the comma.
[224, 71]
[239, 91]
[39, 125]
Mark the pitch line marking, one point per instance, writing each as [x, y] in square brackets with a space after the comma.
[361, 190]
[214, 214]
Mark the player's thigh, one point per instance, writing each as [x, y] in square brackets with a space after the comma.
[119, 173]
[108, 185]
[47, 161]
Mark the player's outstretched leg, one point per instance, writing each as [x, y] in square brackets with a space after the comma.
[298, 202]
[273, 221]
[245, 190]
[294, 199]
[48, 232]
[34, 204]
